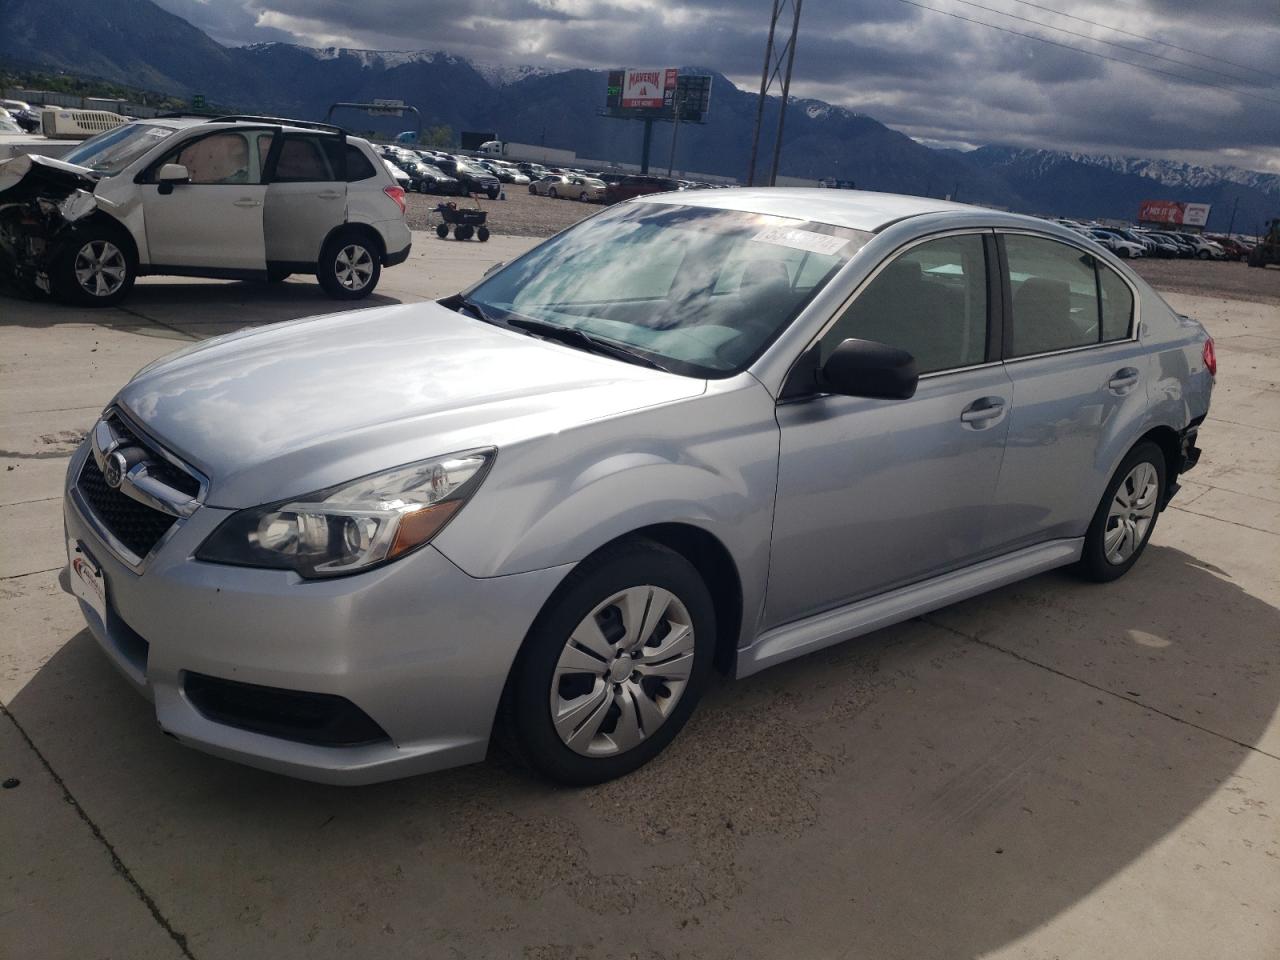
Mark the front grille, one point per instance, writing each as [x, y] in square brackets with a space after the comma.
[159, 467]
[134, 524]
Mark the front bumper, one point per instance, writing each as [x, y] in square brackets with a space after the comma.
[419, 646]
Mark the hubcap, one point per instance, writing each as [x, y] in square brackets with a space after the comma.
[622, 671]
[1133, 509]
[354, 266]
[100, 268]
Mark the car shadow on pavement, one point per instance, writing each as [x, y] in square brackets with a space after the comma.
[936, 789]
[156, 307]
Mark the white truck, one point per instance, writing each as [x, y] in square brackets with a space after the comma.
[508, 150]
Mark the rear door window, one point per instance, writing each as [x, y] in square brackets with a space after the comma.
[1055, 295]
[305, 158]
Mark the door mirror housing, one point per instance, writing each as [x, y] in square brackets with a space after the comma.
[866, 368]
[170, 174]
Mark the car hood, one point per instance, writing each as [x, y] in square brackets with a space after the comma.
[296, 407]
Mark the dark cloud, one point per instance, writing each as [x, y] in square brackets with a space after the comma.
[933, 76]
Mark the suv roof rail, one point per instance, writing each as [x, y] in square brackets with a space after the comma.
[308, 124]
[178, 115]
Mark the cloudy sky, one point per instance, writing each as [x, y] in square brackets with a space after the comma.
[935, 77]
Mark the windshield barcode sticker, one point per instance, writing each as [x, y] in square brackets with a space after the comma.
[798, 239]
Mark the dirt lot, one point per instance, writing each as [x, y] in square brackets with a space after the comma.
[1230, 280]
[520, 215]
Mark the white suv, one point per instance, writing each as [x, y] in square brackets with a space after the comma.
[246, 198]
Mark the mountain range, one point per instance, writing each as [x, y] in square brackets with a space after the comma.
[137, 43]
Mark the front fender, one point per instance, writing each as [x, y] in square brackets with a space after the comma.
[710, 462]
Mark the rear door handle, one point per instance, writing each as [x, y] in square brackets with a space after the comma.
[247, 202]
[329, 195]
[983, 410]
[1123, 379]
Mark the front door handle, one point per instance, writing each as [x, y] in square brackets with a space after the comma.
[247, 202]
[983, 411]
[1123, 379]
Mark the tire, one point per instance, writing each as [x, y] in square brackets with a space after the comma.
[349, 268]
[493, 194]
[1102, 560]
[533, 191]
[442, 230]
[1204, 255]
[552, 194]
[463, 232]
[1124, 253]
[583, 197]
[482, 234]
[545, 677]
[97, 268]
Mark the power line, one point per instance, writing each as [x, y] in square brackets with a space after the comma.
[1140, 36]
[1109, 43]
[1091, 53]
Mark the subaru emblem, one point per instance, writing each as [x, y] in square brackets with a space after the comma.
[114, 468]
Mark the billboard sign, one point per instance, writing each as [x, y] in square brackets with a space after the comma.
[1173, 213]
[386, 108]
[648, 88]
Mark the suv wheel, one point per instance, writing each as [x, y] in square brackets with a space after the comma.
[349, 267]
[1126, 517]
[96, 270]
[613, 667]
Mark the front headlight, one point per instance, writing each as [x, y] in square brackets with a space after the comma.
[354, 526]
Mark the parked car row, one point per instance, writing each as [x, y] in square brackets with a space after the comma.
[1144, 242]
[434, 171]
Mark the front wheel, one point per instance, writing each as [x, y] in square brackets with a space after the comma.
[96, 270]
[1126, 517]
[442, 230]
[482, 234]
[1204, 255]
[613, 666]
[349, 267]
[552, 193]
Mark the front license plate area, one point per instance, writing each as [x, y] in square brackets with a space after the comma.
[86, 578]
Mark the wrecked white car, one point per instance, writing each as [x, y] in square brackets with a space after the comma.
[240, 198]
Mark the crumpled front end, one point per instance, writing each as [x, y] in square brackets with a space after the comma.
[41, 200]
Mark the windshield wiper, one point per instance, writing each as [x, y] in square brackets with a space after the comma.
[478, 310]
[574, 337]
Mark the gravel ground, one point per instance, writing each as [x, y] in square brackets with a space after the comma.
[1231, 280]
[521, 215]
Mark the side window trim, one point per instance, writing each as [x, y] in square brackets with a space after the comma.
[1135, 321]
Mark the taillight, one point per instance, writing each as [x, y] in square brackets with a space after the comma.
[397, 194]
[1210, 358]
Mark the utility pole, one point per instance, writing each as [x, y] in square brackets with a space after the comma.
[1232, 224]
[648, 142]
[675, 130]
[773, 66]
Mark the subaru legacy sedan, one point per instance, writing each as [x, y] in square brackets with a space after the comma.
[698, 431]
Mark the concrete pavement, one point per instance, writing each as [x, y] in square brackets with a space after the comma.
[1052, 770]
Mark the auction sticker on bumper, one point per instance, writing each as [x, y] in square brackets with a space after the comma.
[86, 579]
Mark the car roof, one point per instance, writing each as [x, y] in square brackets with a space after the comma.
[855, 209]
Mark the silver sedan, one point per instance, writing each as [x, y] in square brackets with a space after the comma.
[699, 431]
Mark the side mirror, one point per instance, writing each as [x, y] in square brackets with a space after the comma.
[170, 174]
[865, 368]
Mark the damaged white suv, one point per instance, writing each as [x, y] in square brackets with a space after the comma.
[242, 198]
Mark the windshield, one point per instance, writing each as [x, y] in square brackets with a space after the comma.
[699, 290]
[112, 151]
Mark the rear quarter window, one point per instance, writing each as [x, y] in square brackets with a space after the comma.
[358, 165]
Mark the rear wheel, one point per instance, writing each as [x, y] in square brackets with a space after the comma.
[552, 193]
[1204, 255]
[96, 270]
[349, 267]
[462, 232]
[482, 234]
[1126, 517]
[613, 667]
